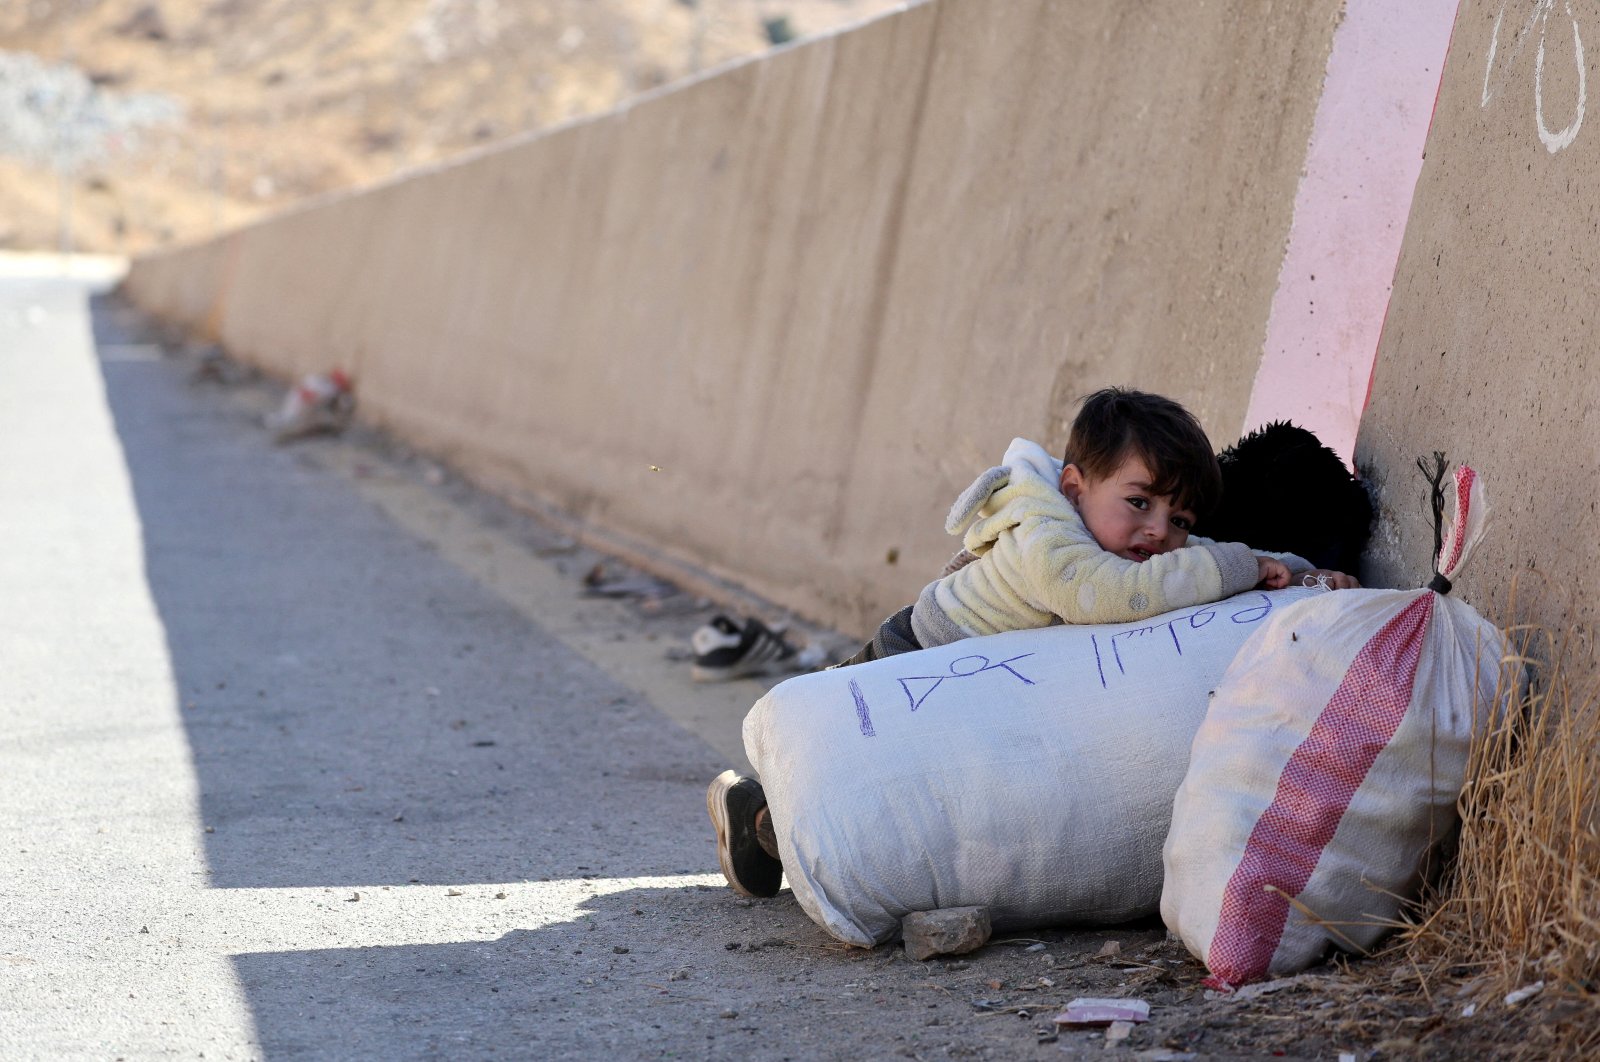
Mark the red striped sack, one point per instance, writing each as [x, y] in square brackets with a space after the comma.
[1327, 769]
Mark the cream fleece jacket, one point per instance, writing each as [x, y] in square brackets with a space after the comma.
[1037, 564]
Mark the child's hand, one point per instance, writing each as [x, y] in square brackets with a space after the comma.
[1329, 578]
[1271, 573]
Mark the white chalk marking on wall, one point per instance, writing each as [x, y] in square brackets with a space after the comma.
[1494, 46]
[1350, 213]
[1555, 142]
[1490, 90]
[1540, 16]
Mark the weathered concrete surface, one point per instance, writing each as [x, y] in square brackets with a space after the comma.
[817, 292]
[1490, 347]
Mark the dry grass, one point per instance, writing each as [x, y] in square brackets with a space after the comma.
[1521, 901]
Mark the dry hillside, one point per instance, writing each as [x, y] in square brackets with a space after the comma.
[126, 124]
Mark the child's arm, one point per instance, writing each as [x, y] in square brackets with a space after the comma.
[1078, 581]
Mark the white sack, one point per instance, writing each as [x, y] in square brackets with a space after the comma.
[1030, 772]
[1327, 770]
[1328, 766]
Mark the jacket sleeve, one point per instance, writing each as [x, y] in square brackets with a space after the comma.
[1293, 561]
[1070, 576]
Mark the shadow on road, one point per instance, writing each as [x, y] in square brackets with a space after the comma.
[359, 711]
[362, 714]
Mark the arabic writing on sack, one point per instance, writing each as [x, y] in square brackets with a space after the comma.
[1115, 655]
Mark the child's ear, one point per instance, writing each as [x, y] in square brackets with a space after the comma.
[1071, 482]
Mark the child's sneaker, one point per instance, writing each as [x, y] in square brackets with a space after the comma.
[733, 801]
[723, 650]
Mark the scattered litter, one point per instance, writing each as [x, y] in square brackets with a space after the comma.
[1117, 1032]
[453, 892]
[1469, 1010]
[211, 366]
[1266, 988]
[1085, 1011]
[1034, 947]
[1347, 1056]
[320, 403]
[1164, 1054]
[1525, 993]
[601, 581]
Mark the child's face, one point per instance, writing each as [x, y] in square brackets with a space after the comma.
[1122, 513]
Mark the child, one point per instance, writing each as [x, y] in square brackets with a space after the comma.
[1103, 538]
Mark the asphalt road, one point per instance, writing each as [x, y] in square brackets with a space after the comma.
[315, 752]
[311, 753]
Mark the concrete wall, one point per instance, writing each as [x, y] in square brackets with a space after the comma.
[1490, 349]
[818, 292]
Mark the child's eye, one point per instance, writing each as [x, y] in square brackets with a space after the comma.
[1183, 523]
[1139, 503]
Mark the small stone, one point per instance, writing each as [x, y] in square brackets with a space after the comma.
[730, 1014]
[678, 975]
[619, 950]
[1118, 1031]
[732, 945]
[949, 931]
[1111, 949]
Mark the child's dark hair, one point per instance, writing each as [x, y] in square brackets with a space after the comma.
[1116, 422]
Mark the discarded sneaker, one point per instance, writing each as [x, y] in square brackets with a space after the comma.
[724, 650]
[733, 801]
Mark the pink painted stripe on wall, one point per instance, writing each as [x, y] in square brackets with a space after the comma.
[1350, 215]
